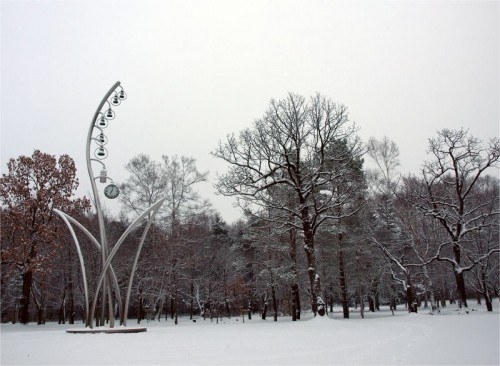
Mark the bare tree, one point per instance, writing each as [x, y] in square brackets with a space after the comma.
[385, 153]
[451, 179]
[396, 230]
[145, 185]
[486, 273]
[173, 178]
[392, 239]
[181, 175]
[292, 146]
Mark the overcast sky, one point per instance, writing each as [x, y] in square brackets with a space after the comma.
[195, 71]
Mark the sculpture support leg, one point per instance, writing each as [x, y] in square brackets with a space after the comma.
[82, 264]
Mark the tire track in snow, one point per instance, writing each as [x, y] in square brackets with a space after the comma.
[368, 352]
[422, 332]
[404, 337]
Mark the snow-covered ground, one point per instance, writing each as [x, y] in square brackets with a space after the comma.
[450, 338]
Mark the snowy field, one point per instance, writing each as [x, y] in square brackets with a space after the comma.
[449, 338]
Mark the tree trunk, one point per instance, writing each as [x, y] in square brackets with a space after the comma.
[487, 299]
[71, 302]
[168, 305]
[15, 318]
[412, 308]
[264, 309]
[371, 304]
[295, 302]
[332, 298]
[342, 283]
[486, 292]
[227, 307]
[172, 306]
[275, 303]
[393, 302]
[250, 305]
[459, 276]
[25, 297]
[61, 317]
[375, 295]
[41, 306]
[160, 307]
[314, 281]
[62, 312]
[295, 285]
[140, 311]
[461, 288]
[191, 305]
[443, 294]
[98, 312]
[392, 305]
[361, 305]
[430, 290]
[176, 315]
[41, 314]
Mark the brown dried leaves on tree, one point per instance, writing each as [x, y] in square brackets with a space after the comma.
[32, 188]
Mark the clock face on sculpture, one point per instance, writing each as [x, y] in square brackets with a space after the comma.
[111, 191]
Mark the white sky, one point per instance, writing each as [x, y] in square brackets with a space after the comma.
[195, 71]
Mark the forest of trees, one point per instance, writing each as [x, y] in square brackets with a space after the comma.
[328, 220]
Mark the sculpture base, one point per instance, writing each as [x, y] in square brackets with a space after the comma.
[107, 330]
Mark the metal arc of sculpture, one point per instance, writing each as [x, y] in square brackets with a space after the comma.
[99, 122]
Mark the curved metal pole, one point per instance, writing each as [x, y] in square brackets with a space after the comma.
[96, 243]
[82, 265]
[117, 246]
[89, 139]
[136, 260]
[102, 230]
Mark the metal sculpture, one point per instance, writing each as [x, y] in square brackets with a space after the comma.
[107, 278]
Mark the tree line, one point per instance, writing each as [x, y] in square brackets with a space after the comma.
[319, 227]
